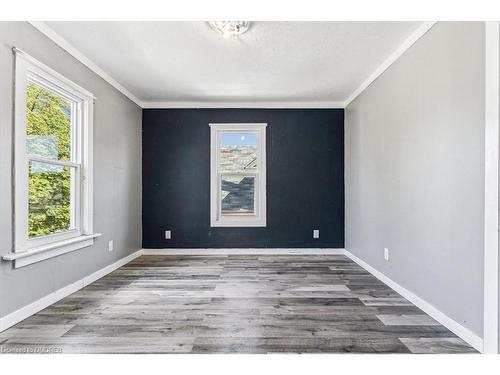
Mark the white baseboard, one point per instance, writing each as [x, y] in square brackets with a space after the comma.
[242, 251]
[28, 310]
[464, 333]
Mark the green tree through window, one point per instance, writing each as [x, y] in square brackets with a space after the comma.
[48, 120]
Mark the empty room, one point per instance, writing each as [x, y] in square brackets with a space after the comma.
[249, 187]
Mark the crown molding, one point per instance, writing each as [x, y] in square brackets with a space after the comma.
[68, 47]
[73, 51]
[416, 35]
[258, 104]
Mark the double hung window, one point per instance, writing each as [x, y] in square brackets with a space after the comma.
[238, 175]
[53, 163]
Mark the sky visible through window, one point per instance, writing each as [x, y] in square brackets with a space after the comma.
[238, 139]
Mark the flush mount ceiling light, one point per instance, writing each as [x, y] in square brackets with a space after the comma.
[230, 29]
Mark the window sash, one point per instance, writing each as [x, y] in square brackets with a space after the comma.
[62, 163]
[255, 194]
[235, 131]
[75, 206]
[76, 119]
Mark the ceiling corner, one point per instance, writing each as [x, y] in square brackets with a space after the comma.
[393, 57]
[69, 48]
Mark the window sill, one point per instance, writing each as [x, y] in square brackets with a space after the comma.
[24, 258]
[238, 224]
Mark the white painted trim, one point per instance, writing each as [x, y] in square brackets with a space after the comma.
[455, 327]
[25, 312]
[492, 96]
[259, 219]
[28, 69]
[245, 104]
[68, 84]
[245, 251]
[68, 47]
[28, 310]
[51, 250]
[416, 35]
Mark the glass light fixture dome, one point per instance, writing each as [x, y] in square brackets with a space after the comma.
[230, 29]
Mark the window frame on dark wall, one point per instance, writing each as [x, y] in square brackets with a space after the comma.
[257, 218]
[29, 248]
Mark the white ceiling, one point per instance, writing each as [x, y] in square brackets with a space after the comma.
[308, 62]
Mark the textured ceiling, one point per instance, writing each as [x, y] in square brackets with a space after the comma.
[272, 62]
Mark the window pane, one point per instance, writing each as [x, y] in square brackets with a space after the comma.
[238, 152]
[51, 189]
[237, 195]
[48, 123]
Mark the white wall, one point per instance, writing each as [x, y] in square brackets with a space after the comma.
[415, 171]
[117, 174]
[498, 301]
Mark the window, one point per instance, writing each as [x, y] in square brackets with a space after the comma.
[238, 175]
[53, 163]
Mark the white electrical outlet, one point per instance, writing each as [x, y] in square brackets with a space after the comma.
[316, 233]
[386, 253]
[110, 245]
[168, 235]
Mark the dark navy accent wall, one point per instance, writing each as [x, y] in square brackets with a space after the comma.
[305, 178]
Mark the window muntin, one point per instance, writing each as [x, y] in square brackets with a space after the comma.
[53, 162]
[238, 175]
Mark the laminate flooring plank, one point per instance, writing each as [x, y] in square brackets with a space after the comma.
[234, 304]
[407, 320]
[433, 345]
[99, 345]
[296, 345]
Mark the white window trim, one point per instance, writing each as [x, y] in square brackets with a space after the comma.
[260, 218]
[491, 196]
[27, 251]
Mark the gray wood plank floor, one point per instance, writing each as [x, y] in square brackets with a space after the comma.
[234, 304]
